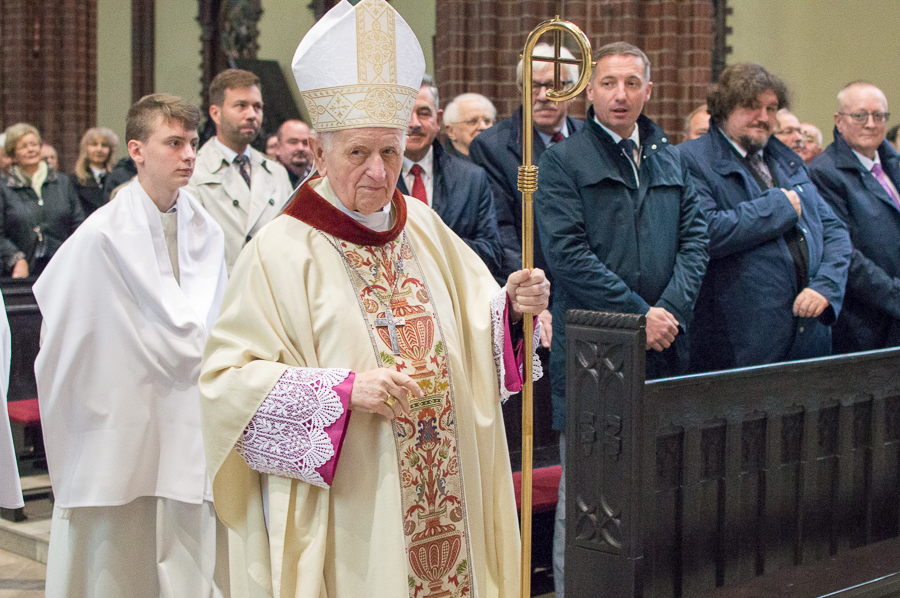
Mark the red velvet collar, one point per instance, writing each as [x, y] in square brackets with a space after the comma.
[313, 209]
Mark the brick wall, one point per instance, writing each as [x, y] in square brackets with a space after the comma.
[478, 43]
[48, 70]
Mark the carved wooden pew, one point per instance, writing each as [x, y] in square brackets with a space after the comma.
[676, 487]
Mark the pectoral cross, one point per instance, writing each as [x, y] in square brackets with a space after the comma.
[391, 323]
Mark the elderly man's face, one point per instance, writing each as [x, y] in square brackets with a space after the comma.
[474, 117]
[811, 148]
[864, 137]
[363, 166]
[618, 92]
[789, 131]
[424, 124]
[751, 126]
[548, 115]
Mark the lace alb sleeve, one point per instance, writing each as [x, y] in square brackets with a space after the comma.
[298, 430]
[508, 360]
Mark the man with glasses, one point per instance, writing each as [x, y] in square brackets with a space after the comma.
[788, 130]
[499, 151]
[778, 255]
[466, 116]
[858, 175]
[458, 191]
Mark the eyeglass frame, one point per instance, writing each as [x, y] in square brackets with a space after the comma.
[547, 85]
[863, 117]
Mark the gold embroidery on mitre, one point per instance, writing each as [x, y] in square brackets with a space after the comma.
[376, 43]
[353, 106]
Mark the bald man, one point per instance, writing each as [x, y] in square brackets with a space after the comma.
[858, 175]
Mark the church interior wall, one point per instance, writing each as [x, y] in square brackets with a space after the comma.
[113, 66]
[177, 49]
[178, 63]
[817, 47]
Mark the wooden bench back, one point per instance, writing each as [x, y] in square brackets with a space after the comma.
[678, 486]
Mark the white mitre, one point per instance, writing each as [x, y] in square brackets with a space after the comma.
[359, 66]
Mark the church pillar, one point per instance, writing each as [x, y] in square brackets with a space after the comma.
[143, 53]
[48, 70]
[478, 44]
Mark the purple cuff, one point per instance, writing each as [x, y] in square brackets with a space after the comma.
[336, 431]
[513, 357]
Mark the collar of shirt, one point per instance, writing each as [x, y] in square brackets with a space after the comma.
[737, 146]
[427, 164]
[867, 162]
[547, 138]
[635, 134]
[379, 221]
[230, 154]
[97, 172]
[636, 137]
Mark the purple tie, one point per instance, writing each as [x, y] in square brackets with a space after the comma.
[879, 175]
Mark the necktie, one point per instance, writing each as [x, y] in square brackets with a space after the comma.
[756, 161]
[418, 190]
[879, 175]
[557, 137]
[243, 164]
[629, 147]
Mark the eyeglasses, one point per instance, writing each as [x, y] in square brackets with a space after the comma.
[473, 122]
[536, 86]
[863, 117]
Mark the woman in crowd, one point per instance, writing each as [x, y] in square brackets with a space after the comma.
[95, 159]
[39, 207]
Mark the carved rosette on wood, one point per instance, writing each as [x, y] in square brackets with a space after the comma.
[229, 30]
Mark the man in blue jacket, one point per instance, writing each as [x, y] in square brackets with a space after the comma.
[620, 224]
[778, 255]
[858, 175]
[457, 190]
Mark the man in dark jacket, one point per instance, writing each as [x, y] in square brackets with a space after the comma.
[499, 151]
[457, 190]
[620, 223]
[859, 175]
[778, 255]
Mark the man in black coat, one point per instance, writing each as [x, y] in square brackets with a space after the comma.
[859, 176]
[499, 151]
[620, 225]
[457, 190]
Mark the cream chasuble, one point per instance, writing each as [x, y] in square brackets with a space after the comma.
[421, 508]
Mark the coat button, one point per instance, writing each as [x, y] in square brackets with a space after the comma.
[235, 202]
[653, 146]
[801, 329]
[271, 202]
[664, 140]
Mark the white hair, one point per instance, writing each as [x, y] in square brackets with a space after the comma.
[546, 51]
[451, 112]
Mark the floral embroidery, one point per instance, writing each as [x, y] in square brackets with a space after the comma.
[430, 477]
[286, 436]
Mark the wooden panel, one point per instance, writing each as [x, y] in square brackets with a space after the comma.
[744, 473]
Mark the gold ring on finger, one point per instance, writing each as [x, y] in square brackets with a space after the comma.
[389, 401]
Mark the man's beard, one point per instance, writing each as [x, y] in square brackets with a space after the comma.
[752, 145]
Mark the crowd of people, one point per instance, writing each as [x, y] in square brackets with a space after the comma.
[748, 243]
